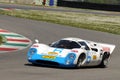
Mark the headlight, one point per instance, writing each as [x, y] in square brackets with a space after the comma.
[70, 58]
[32, 51]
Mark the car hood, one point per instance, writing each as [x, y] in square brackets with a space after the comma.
[43, 49]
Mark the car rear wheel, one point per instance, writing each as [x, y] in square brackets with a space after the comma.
[105, 61]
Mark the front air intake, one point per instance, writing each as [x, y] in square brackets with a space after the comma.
[43, 62]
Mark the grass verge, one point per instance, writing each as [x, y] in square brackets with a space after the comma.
[2, 39]
[98, 22]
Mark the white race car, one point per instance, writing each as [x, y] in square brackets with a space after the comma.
[71, 52]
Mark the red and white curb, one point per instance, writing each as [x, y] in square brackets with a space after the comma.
[9, 9]
[13, 41]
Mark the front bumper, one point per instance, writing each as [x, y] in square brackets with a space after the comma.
[52, 61]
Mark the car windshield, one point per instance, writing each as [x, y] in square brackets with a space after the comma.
[65, 44]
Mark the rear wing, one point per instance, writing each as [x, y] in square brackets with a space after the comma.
[105, 46]
[111, 47]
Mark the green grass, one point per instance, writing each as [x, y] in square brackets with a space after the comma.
[98, 22]
[2, 39]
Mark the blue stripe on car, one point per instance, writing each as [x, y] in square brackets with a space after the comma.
[62, 61]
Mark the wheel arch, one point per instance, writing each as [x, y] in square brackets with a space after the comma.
[104, 61]
[82, 56]
[106, 55]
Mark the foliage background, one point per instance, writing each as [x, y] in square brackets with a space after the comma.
[105, 1]
[116, 2]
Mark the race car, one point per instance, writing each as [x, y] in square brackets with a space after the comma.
[70, 52]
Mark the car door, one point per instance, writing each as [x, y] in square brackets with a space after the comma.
[91, 55]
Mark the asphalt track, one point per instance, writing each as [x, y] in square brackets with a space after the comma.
[14, 65]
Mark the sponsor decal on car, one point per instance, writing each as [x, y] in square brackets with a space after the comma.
[94, 57]
[48, 57]
[53, 53]
[59, 50]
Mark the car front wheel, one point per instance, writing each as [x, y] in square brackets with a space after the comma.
[79, 63]
[80, 60]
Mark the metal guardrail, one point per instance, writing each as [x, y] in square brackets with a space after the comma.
[88, 5]
[113, 2]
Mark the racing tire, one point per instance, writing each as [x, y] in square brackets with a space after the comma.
[105, 61]
[80, 61]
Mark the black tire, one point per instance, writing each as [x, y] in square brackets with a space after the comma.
[80, 60]
[79, 63]
[105, 61]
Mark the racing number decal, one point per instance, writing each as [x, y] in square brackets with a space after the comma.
[88, 57]
[58, 50]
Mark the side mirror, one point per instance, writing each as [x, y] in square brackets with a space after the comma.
[36, 40]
